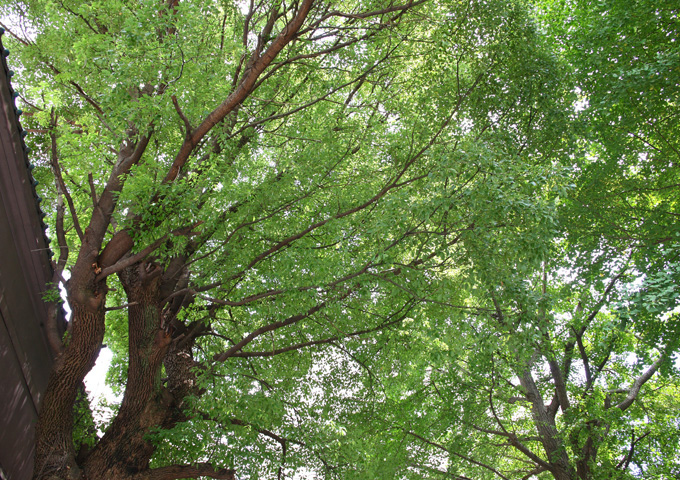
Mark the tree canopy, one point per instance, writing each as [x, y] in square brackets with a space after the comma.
[359, 239]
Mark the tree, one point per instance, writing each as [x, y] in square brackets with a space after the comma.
[358, 239]
[234, 183]
[565, 366]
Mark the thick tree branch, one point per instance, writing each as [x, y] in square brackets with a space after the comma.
[126, 262]
[131, 260]
[639, 382]
[175, 472]
[547, 431]
[121, 243]
[93, 190]
[560, 384]
[584, 357]
[246, 23]
[242, 91]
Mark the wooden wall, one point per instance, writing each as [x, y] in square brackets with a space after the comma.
[25, 270]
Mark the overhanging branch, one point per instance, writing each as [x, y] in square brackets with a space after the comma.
[329, 340]
[175, 472]
[639, 382]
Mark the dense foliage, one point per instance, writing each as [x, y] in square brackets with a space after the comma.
[360, 239]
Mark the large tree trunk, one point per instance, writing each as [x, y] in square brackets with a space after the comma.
[555, 452]
[55, 455]
[124, 450]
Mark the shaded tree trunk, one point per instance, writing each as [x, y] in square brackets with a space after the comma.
[55, 453]
[556, 454]
[124, 451]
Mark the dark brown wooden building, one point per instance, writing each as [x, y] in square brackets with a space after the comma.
[25, 270]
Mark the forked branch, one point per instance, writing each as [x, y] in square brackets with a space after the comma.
[242, 91]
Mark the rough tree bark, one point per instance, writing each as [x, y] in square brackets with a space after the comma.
[123, 450]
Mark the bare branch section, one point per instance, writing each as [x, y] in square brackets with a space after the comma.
[93, 190]
[268, 328]
[375, 13]
[185, 120]
[534, 472]
[53, 333]
[79, 90]
[282, 441]
[16, 37]
[625, 461]
[338, 45]
[456, 454]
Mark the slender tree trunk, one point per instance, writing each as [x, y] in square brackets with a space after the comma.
[555, 452]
